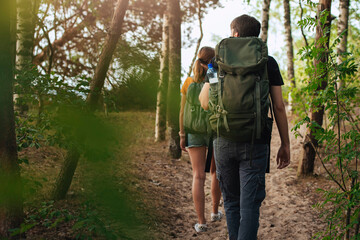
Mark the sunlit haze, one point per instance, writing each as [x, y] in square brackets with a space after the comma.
[217, 22]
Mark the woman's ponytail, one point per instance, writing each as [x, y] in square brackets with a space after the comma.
[200, 67]
[198, 71]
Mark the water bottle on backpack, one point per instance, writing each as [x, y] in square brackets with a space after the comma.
[212, 74]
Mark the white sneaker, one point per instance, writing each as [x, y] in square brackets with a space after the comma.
[216, 216]
[200, 227]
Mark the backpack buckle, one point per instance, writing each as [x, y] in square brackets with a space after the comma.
[220, 110]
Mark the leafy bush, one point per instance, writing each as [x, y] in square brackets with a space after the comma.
[339, 139]
[85, 224]
[136, 91]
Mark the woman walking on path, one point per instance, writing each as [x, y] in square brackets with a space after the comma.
[196, 147]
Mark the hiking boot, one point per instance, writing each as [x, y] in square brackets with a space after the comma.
[200, 227]
[216, 216]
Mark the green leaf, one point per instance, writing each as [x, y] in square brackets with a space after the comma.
[79, 225]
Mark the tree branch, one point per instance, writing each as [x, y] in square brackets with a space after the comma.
[66, 37]
[301, 27]
[323, 164]
[199, 40]
[50, 48]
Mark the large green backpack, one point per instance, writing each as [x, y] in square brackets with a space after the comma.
[239, 102]
[196, 119]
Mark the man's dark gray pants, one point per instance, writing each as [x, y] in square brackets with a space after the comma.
[242, 184]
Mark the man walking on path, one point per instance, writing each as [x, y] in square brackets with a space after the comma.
[240, 165]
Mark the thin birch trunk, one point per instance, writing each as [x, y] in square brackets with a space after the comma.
[289, 43]
[343, 25]
[160, 120]
[25, 30]
[173, 97]
[26, 21]
[265, 20]
[289, 48]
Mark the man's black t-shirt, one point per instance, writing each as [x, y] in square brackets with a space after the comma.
[274, 75]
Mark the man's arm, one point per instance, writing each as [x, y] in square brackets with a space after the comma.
[204, 96]
[283, 156]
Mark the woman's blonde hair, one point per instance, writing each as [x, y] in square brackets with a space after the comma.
[204, 57]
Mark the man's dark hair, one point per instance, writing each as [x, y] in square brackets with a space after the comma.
[246, 26]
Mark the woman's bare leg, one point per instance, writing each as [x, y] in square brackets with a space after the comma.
[197, 157]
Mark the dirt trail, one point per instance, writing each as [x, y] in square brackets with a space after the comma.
[286, 212]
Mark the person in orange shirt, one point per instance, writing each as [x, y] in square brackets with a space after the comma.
[196, 147]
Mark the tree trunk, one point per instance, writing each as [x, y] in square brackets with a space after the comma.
[289, 48]
[173, 105]
[26, 21]
[70, 163]
[306, 165]
[289, 43]
[265, 20]
[113, 36]
[11, 202]
[13, 32]
[26, 30]
[66, 174]
[343, 26]
[160, 121]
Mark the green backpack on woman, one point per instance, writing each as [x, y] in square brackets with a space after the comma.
[196, 119]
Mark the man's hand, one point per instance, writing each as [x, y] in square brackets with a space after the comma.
[283, 157]
[182, 144]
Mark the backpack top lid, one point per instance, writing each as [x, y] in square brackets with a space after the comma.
[240, 55]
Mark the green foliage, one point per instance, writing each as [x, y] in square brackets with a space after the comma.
[46, 215]
[85, 224]
[136, 91]
[89, 133]
[32, 85]
[28, 134]
[215, 39]
[112, 211]
[308, 23]
[136, 85]
[64, 120]
[89, 224]
[340, 138]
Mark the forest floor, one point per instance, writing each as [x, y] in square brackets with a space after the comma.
[160, 190]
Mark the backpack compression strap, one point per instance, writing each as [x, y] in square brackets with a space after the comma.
[258, 107]
[220, 110]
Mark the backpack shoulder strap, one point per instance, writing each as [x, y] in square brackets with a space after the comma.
[193, 92]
